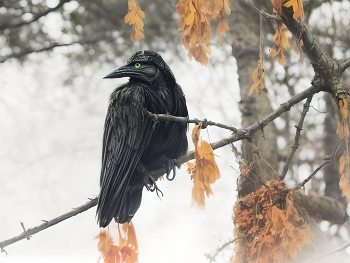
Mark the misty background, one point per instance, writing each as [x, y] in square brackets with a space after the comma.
[52, 110]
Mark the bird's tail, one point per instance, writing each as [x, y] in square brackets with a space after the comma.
[130, 204]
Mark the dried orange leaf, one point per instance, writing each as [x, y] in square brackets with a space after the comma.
[281, 41]
[204, 171]
[134, 17]
[298, 8]
[270, 226]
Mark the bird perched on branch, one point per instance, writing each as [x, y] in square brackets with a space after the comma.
[133, 144]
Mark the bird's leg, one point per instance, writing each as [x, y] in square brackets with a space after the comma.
[148, 180]
[169, 164]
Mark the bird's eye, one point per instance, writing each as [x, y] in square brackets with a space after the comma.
[137, 65]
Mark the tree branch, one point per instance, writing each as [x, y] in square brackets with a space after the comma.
[295, 144]
[330, 252]
[35, 17]
[327, 160]
[246, 133]
[168, 118]
[344, 64]
[213, 254]
[31, 231]
[52, 46]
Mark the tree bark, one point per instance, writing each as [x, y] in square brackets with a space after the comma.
[245, 31]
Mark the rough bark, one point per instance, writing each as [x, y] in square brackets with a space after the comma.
[244, 29]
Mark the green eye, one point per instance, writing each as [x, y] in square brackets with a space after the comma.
[137, 65]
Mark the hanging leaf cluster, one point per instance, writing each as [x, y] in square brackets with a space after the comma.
[204, 171]
[269, 226]
[134, 18]
[259, 72]
[126, 251]
[287, 9]
[194, 18]
[344, 162]
[281, 40]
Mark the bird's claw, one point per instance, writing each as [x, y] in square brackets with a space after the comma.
[170, 165]
[152, 186]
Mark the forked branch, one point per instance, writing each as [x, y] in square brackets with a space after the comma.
[295, 144]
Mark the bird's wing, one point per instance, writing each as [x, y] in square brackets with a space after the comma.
[127, 134]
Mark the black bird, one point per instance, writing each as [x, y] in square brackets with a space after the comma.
[133, 145]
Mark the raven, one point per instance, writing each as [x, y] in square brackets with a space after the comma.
[133, 145]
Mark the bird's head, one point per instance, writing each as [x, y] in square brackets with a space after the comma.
[145, 66]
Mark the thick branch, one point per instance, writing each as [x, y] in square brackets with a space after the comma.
[295, 144]
[35, 17]
[31, 231]
[324, 208]
[344, 64]
[300, 31]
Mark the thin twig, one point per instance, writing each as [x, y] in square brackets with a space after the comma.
[262, 12]
[295, 144]
[31, 231]
[213, 254]
[35, 16]
[170, 118]
[256, 151]
[327, 160]
[52, 46]
[347, 244]
[25, 231]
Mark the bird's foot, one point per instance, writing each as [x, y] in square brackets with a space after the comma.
[150, 184]
[170, 165]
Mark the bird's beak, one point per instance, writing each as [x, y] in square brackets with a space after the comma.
[118, 73]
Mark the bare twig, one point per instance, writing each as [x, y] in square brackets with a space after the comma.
[330, 252]
[31, 231]
[35, 17]
[256, 151]
[262, 12]
[327, 160]
[25, 231]
[295, 144]
[214, 253]
[169, 118]
[52, 46]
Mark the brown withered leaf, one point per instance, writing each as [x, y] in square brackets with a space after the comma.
[194, 18]
[134, 17]
[126, 251]
[270, 226]
[277, 5]
[204, 171]
[259, 79]
[105, 241]
[259, 72]
[281, 41]
[298, 8]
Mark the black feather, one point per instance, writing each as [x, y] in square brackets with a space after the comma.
[130, 138]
